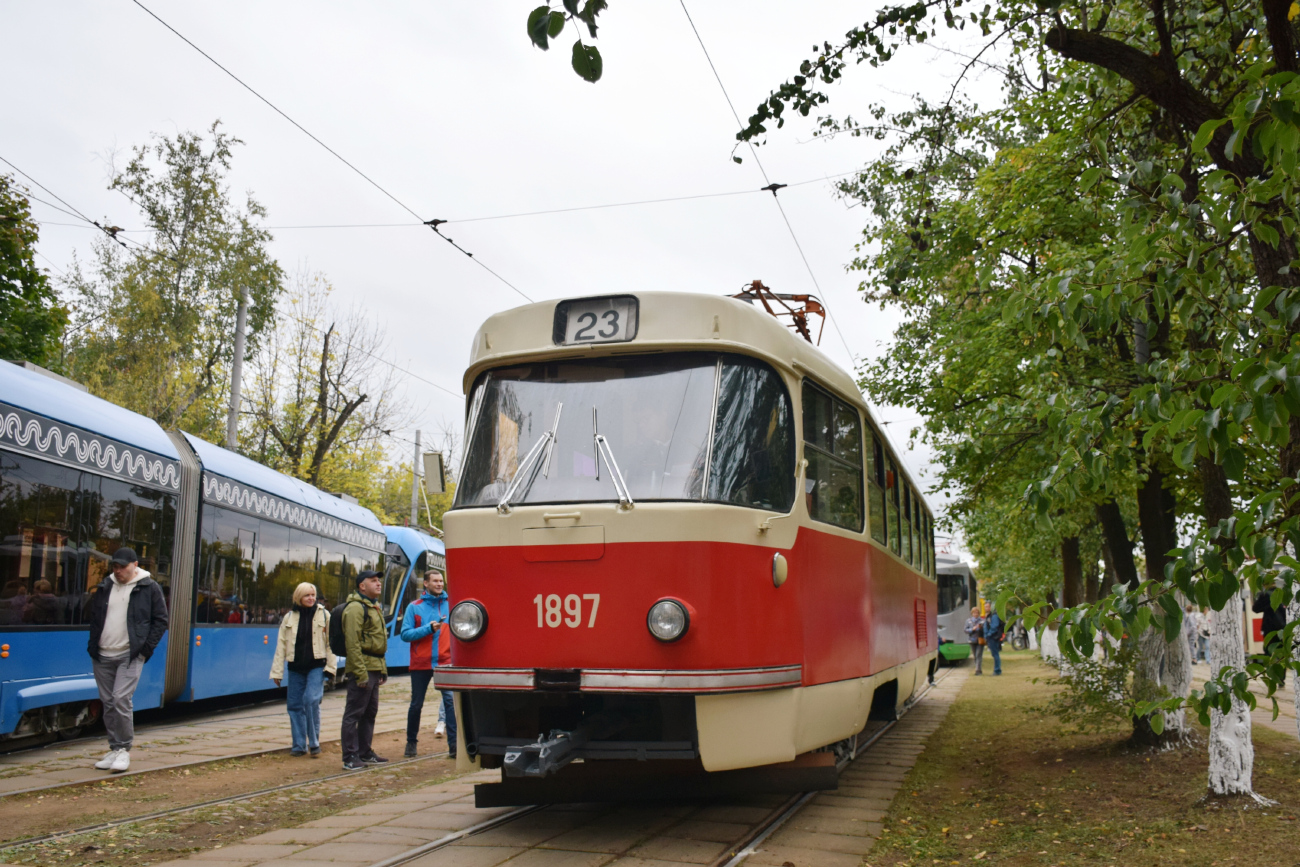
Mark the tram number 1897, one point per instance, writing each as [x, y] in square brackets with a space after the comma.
[552, 611]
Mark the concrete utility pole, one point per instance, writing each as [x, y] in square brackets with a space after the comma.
[237, 372]
[415, 484]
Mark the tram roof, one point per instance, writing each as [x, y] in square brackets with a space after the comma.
[235, 466]
[667, 321]
[413, 541]
[47, 396]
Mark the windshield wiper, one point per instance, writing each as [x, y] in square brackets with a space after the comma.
[547, 442]
[625, 500]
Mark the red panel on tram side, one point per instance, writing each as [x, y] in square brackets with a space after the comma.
[738, 619]
[859, 608]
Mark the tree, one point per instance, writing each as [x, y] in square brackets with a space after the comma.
[546, 23]
[31, 318]
[322, 401]
[1185, 139]
[157, 320]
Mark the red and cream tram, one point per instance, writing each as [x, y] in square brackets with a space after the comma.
[677, 536]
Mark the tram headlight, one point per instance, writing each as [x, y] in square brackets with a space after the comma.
[468, 620]
[668, 620]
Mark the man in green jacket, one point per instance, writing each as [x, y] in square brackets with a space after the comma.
[367, 642]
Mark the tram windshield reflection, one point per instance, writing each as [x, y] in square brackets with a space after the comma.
[658, 417]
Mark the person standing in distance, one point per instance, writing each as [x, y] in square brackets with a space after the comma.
[366, 640]
[421, 628]
[994, 632]
[128, 617]
[975, 635]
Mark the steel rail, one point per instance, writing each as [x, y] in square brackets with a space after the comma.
[789, 809]
[746, 846]
[216, 802]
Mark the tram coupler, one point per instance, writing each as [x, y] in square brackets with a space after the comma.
[547, 755]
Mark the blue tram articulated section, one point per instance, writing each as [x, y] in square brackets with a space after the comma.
[227, 538]
[409, 555]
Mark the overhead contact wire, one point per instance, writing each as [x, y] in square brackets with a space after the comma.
[770, 186]
[432, 224]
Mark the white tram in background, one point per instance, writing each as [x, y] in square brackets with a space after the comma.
[679, 541]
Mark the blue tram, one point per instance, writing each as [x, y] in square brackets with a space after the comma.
[227, 538]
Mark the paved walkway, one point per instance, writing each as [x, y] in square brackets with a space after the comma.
[836, 828]
[203, 738]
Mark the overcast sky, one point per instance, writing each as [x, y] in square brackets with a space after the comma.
[450, 108]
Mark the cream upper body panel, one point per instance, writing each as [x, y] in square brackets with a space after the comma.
[655, 521]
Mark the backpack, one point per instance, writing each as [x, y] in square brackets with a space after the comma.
[339, 644]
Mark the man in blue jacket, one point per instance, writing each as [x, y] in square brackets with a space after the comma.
[421, 626]
[994, 631]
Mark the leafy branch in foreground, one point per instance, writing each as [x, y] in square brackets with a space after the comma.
[546, 23]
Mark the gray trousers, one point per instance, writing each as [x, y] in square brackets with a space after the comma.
[117, 680]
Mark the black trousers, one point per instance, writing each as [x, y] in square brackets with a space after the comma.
[419, 689]
[359, 716]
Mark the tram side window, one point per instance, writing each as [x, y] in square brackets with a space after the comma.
[336, 573]
[891, 497]
[833, 450]
[59, 526]
[394, 573]
[876, 488]
[753, 439]
[915, 529]
[908, 534]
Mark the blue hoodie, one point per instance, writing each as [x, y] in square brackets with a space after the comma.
[419, 631]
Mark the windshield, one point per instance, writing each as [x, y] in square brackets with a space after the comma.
[657, 416]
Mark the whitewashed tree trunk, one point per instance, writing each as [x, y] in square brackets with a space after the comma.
[1050, 650]
[1177, 678]
[1232, 752]
[1164, 670]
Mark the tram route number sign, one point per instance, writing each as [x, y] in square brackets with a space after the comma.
[552, 610]
[611, 319]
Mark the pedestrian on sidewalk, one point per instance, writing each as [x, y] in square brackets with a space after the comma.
[975, 635]
[366, 640]
[303, 646]
[1273, 621]
[128, 617]
[994, 632]
[421, 628]
[1203, 635]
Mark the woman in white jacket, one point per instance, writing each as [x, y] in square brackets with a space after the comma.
[303, 647]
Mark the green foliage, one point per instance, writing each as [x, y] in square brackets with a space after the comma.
[1098, 283]
[545, 24]
[31, 318]
[156, 322]
[1096, 693]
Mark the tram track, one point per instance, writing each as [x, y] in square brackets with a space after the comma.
[737, 853]
[203, 805]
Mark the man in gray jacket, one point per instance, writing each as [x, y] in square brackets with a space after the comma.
[128, 616]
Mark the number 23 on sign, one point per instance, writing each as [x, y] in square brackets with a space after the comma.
[552, 611]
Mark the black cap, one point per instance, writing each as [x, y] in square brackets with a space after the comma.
[124, 557]
[364, 575]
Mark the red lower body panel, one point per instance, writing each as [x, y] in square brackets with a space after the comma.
[847, 610]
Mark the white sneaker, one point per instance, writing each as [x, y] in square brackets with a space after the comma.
[441, 730]
[107, 761]
[121, 762]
